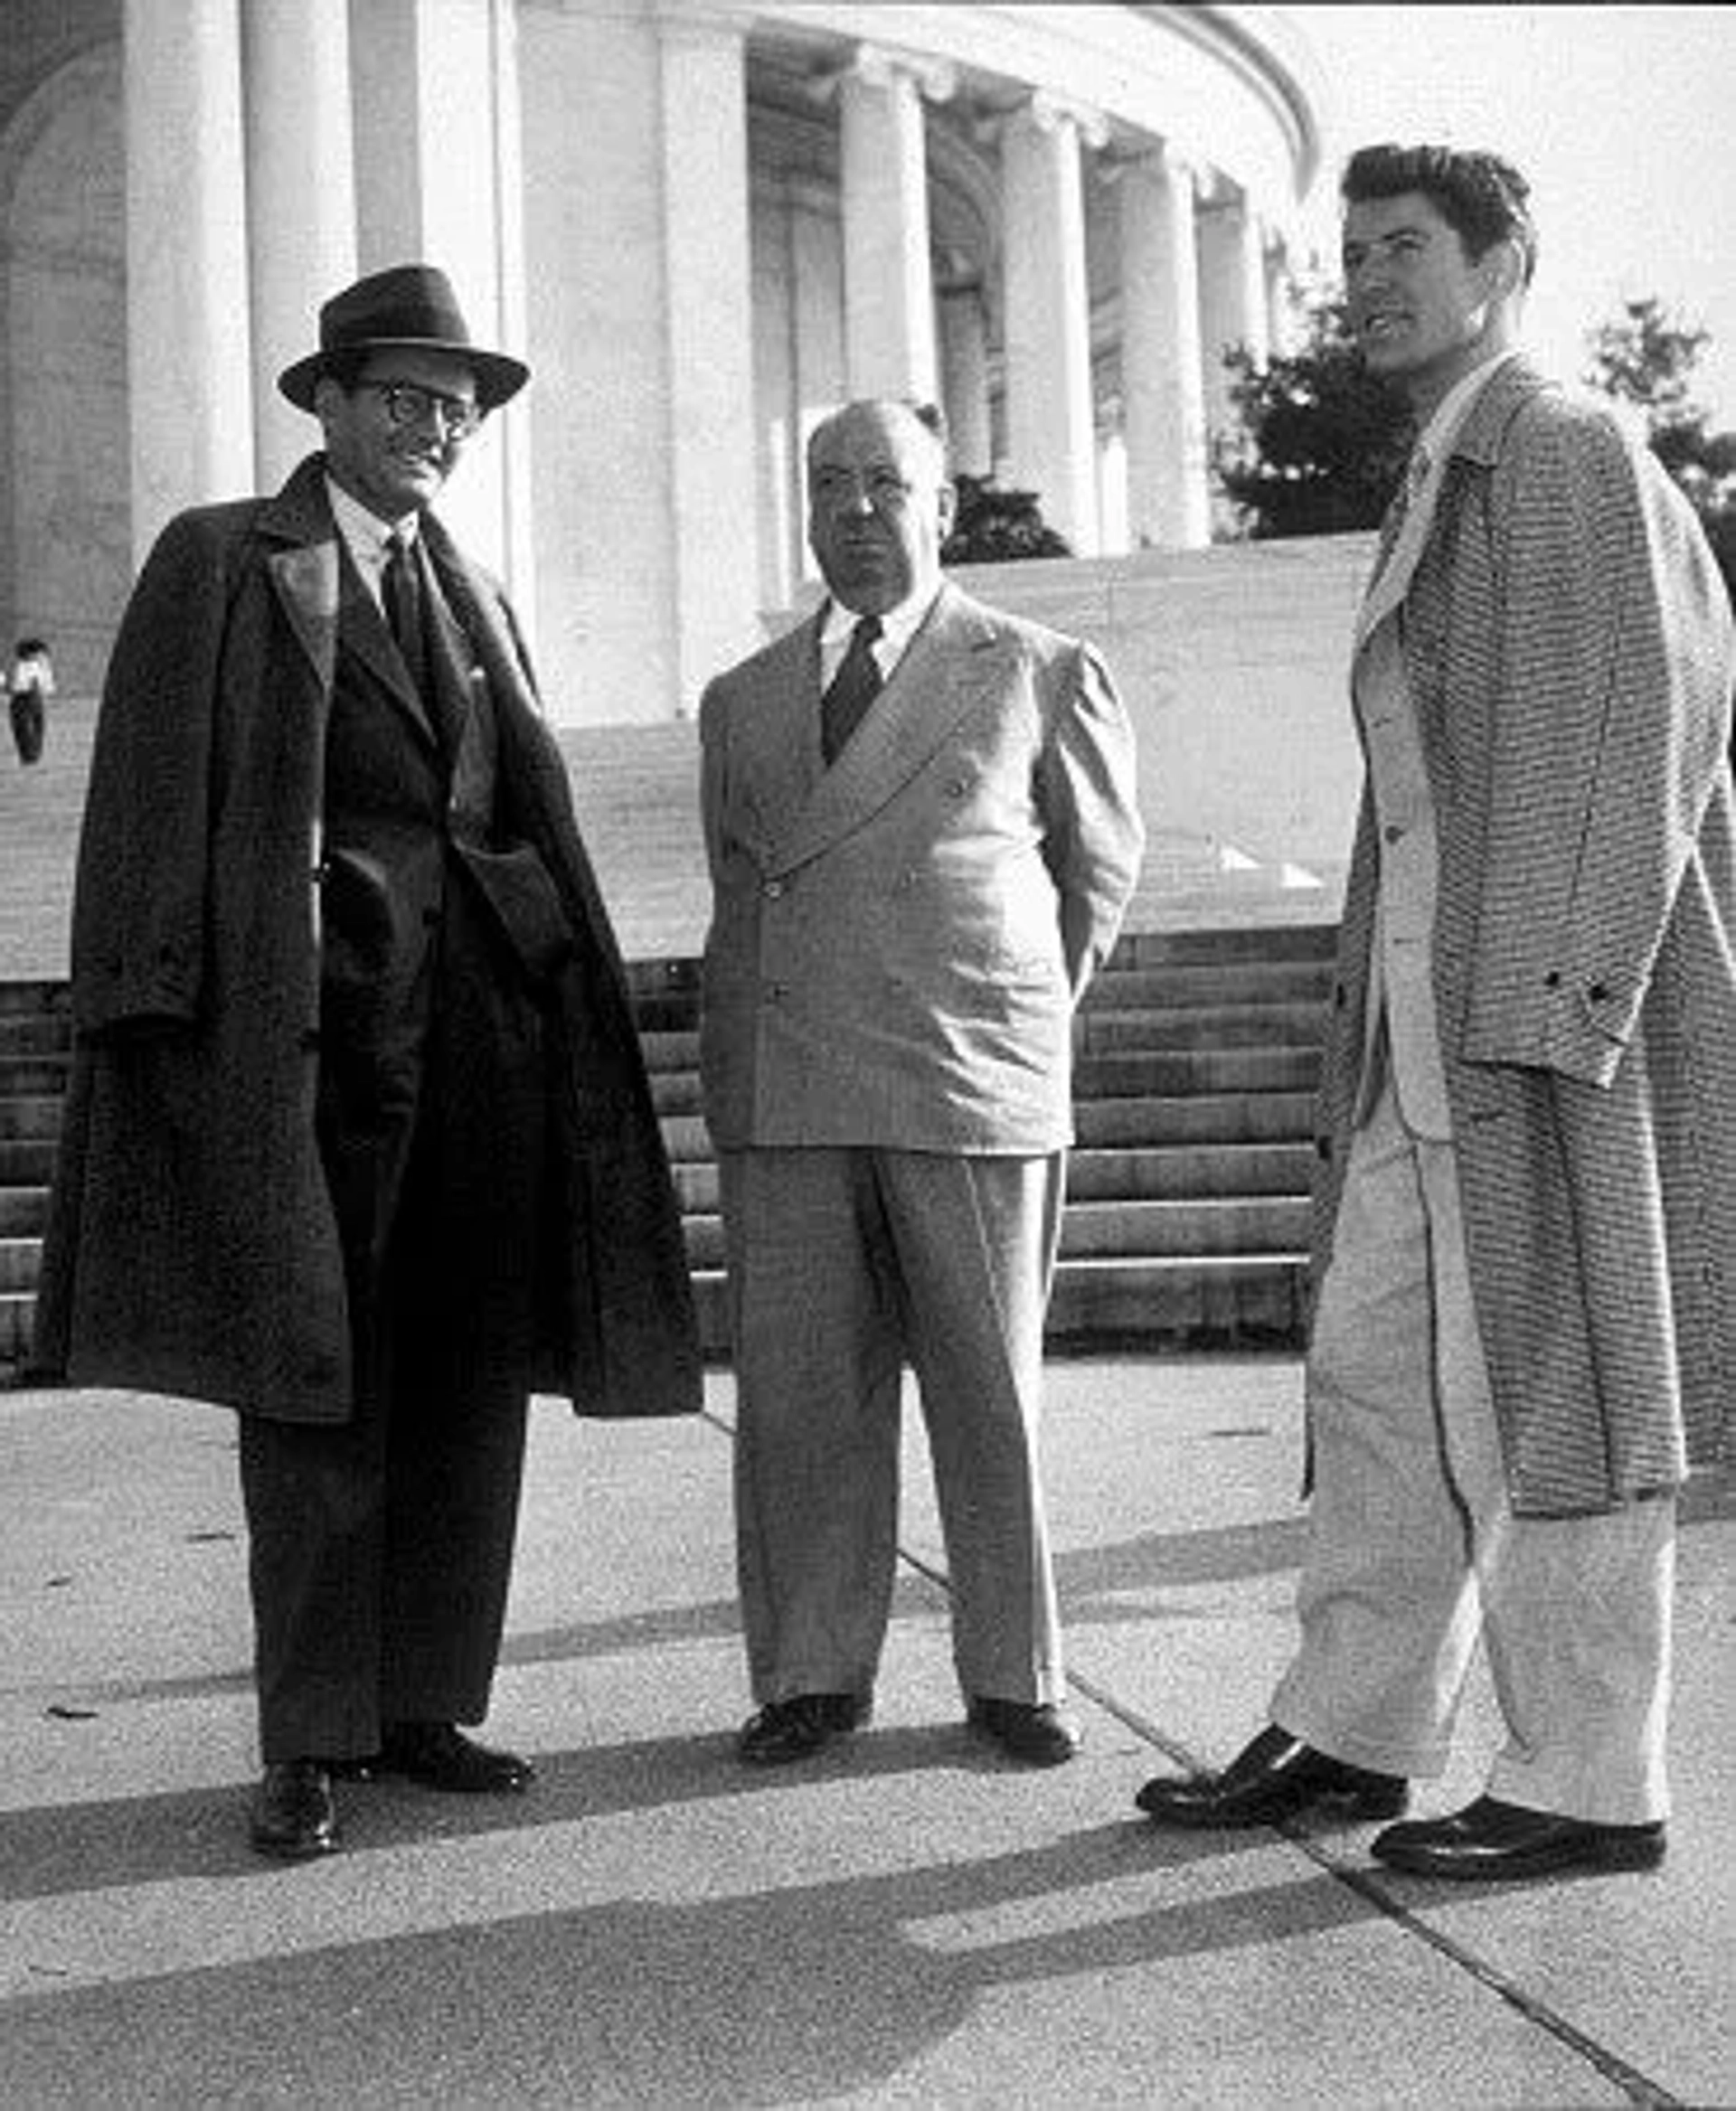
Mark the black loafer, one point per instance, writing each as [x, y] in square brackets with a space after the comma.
[439, 1756]
[1490, 1839]
[294, 1815]
[797, 1727]
[1275, 1776]
[1036, 1731]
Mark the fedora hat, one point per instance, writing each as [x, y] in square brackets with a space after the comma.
[411, 307]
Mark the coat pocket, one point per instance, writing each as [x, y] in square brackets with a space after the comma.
[526, 904]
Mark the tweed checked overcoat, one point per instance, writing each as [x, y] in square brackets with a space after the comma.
[1567, 641]
[898, 943]
[193, 1246]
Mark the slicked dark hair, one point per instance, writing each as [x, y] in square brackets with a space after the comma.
[1482, 198]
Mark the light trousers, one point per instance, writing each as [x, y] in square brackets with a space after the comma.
[845, 1264]
[1414, 1550]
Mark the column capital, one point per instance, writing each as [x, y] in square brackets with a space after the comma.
[877, 65]
[1124, 154]
[1054, 113]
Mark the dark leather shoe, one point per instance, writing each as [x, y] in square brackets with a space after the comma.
[439, 1756]
[1036, 1731]
[1275, 1776]
[294, 1816]
[795, 1729]
[1490, 1839]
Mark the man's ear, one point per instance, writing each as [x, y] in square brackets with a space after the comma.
[947, 496]
[1506, 270]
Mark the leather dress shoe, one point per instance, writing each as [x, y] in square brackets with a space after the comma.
[294, 1815]
[1036, 1731]
[1275, 1776]
[1490, 1839]
[795, 1729]
[439, 1756]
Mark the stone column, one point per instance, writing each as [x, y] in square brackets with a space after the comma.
[1052, 442]
[964, 379]
[300, 201]
[887, 281]
[707, 294]
[437, 173]
[1162, 384]
[1232, 298]
[189, 378]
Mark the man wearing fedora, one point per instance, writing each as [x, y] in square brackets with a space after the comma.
[359, 1141]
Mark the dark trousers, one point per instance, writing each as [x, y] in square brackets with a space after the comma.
[381, 1550]
[29, 723]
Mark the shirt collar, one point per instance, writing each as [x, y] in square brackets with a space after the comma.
[365, 533]
[897, 626]
[1437, 437]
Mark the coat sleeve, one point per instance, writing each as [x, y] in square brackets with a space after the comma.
[1095, 837]
[1610, 724]
[138, 915]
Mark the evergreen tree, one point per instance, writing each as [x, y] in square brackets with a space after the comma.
[1322, 442]
[992, 527]
[1646, 358]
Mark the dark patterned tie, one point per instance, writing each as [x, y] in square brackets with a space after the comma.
[851, 690]
[401, 591]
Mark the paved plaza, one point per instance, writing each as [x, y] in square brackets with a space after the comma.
[909, 1920]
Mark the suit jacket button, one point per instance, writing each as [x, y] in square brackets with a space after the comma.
[774, 890]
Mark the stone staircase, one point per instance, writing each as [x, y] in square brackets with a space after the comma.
[1187, 1194]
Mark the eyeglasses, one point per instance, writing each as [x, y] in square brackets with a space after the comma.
[408, 403]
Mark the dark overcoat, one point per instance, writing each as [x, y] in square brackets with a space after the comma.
[193, 1248]
[1567, 642]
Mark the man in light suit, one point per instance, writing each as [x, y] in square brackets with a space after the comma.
[1525, 1227]
[921, 822]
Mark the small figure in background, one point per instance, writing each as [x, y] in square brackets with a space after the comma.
[29, 688]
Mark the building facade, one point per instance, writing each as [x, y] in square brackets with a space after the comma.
[704, 224]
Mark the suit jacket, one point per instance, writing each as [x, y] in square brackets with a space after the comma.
[193, 1246]
[898, 943]
[1567, 642]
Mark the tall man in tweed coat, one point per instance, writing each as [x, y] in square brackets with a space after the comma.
[358, 1141]
[905, 915]
[1526, 1327]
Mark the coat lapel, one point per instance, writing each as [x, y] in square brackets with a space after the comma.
[953, 661]
[1477, 439]
[322, 595]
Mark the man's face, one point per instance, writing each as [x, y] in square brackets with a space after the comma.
[1421, 311]
[391, 440]
[879, 506]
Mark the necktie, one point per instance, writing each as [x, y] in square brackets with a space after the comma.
[851, 690]
[401, 591]
[1416, 471]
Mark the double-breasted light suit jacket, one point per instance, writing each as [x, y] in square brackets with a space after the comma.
[898, 943]
[1566, 640]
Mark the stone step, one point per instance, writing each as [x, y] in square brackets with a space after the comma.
[31, 1117]
[28, 1161]
[18, 1261]
[33, 1076]
[35, 1029]
[1165, 1073]
[1103, 1304]
[1201, 1118]
[1215, 1227]
[1200, 1026]
[1182, 984]
[24, 1211]
[1163, 1173]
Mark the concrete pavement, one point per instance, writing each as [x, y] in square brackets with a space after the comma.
[907, 1922]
